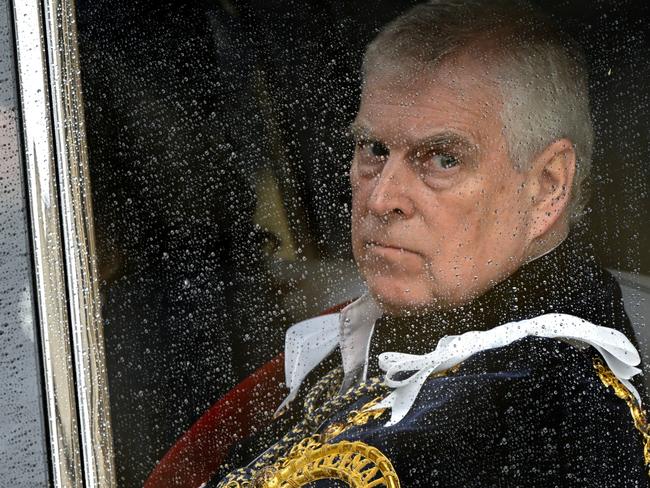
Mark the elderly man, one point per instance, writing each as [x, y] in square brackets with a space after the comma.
[490, 349]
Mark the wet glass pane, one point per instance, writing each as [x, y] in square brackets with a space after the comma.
[221, 152]
[23, 449]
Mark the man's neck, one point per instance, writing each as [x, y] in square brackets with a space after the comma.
[532, 290]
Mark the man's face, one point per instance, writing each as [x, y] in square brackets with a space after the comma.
[438, 215]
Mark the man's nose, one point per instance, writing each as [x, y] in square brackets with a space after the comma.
[391, 193]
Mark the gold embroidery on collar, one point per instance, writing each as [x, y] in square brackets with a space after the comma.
[609, 379]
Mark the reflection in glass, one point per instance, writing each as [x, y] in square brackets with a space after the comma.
[23, 449]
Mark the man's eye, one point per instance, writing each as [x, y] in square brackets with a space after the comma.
[374, 149]
[444, 161]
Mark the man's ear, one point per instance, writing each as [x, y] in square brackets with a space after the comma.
[549, 184]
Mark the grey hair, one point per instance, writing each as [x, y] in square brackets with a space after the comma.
[540, 71]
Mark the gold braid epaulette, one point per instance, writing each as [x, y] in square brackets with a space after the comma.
[609, 379]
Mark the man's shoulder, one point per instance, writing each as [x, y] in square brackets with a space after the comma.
[534, 355]
[536, 407]
[533, 375]
[533, 367]
[534, 402]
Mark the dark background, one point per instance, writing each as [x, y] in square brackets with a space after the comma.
[186, 101]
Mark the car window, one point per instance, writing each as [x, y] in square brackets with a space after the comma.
[219, 153]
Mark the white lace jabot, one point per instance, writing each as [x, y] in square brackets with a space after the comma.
[309, 342]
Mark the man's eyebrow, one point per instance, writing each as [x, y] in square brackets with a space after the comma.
[445, 138]
[357, 131]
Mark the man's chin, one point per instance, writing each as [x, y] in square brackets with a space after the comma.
[407, 297]
[396, 300]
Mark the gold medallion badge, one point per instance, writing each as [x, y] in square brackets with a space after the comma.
[316, 457]
[354, 463]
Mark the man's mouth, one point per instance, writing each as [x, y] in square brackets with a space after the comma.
[387, 248]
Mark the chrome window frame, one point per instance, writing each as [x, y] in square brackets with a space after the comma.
[59, 201]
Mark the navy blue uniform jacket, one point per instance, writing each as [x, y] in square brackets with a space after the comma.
[534, 413]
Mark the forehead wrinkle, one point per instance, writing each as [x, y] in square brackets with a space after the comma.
[460, 94]
[380, 117]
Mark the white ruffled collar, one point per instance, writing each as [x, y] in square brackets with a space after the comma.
[309, 342]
